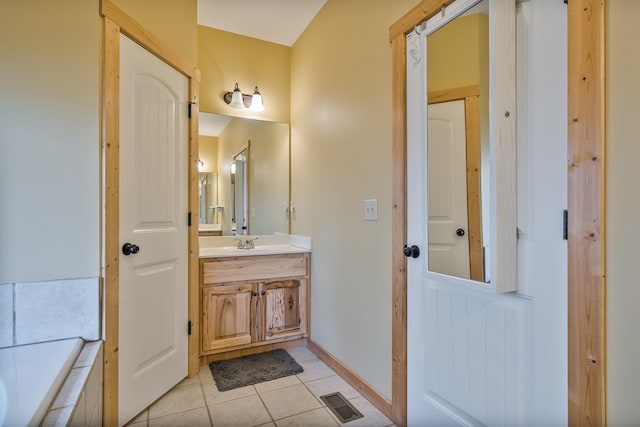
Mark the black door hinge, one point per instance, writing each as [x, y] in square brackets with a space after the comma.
[190, 104]
[189, 219]
[565, 224]
[189, 327]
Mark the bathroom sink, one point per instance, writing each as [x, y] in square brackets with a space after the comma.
[227, 246]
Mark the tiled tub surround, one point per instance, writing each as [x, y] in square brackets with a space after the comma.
[79, 400]
[42, 329]
[30, 376]
[47, 311]
[63, 377]
[270, 244]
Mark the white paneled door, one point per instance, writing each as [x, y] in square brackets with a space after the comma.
[475, 358]
[153, 228]
[447, 189]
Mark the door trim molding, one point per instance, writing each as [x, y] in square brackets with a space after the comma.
[586, 212]
[115, 21]
[399, 232]
[586, 203]
[132, 29]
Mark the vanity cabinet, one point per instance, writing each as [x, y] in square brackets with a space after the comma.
[253, 300]
[283, 302]
[227, 315]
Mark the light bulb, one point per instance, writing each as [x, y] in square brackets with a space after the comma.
[256, 101]
[236, 98]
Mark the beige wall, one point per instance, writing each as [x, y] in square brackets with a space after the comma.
[458, 54]
[208, 153]
[49, 129]
[225, 59]
[341, 155]
[174, 22]
[622, 212]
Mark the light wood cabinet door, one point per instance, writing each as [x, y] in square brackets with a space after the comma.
[284, 308]
[227, 315]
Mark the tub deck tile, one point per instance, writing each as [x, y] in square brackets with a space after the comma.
[58, 418]
[88, 355]
[72, 388]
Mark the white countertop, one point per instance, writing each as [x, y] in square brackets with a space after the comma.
[209, 227]
[274, 244]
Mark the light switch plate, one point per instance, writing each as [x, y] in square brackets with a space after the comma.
[371, 210]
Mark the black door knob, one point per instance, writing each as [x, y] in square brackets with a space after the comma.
[460, 232]
[130, 249]
[411, 251]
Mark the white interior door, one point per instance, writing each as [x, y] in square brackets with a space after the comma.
[153, 217]
[475, 358]
[447, 189]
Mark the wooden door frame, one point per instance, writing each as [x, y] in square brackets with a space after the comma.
[586, 203]
[115, 22]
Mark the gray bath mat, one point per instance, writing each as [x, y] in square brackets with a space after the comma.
[253, 369]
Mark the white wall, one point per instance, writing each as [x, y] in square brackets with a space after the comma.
[622, 212]
[49, 132]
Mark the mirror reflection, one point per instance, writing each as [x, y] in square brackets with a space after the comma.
[458, 145]
[239, 193]
[207, 197]
[256, 195]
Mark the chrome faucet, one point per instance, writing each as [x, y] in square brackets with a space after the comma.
[247, 244]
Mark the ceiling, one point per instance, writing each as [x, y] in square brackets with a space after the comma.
[212, 124]
[276, 21]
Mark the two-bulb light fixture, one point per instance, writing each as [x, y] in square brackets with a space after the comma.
[237, 99]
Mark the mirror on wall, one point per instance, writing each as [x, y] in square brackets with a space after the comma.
[458, 144]
[207, 197]
[470, 142]
[256, 195]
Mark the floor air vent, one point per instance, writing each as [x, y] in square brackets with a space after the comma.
[341, 407]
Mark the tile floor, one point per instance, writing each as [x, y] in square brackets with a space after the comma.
[290, 401]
